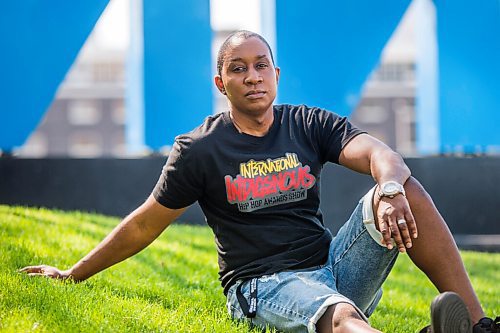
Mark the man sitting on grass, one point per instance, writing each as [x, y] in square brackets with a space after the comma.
[255, 172]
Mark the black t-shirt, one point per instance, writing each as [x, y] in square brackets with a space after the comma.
[260, 195]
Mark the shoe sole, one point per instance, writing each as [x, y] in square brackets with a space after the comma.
[449, 314]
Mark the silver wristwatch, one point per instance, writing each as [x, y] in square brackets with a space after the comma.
[390, 189]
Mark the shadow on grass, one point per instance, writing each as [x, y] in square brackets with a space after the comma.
[172, 271]
[59, 217]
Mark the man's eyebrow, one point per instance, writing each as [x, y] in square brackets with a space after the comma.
[241, 59]
[235, 59]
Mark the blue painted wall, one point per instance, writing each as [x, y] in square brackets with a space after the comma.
[177, 68]
[39, 42]
[469, 75]
[327, 49]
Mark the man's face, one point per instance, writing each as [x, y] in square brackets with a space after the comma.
[248, 78]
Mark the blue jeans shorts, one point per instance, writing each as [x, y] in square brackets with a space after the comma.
[294, 301]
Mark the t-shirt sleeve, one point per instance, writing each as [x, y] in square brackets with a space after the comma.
[181, 181]
[334, 133]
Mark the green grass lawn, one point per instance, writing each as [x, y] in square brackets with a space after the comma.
[171, 286]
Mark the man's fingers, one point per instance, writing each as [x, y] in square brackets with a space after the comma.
[384, 228]
[41, 270]
[396, 235]
[396, 223]
[31, 269]
[36, 274]
[405, 234]
[386, 233]
[46, 271]
[412, 225]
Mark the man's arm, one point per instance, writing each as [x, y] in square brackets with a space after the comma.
[368, 155]
[132, 235]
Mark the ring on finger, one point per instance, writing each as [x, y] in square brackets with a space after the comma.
[401, 221]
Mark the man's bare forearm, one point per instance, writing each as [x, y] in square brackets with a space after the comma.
[123, 242]
[368, 155]
[132, 235]
[387, 165]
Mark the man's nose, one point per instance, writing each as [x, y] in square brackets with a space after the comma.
[253, 77]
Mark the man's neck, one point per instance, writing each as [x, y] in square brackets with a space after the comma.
[256, 125]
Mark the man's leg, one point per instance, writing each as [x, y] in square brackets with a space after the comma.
[355, 253]
[342, 317]
[295, 301]
[435, 251]
[359, 266]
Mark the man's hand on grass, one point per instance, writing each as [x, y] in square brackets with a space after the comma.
[47, 271]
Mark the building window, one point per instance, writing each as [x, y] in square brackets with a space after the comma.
[404, 126]
[118, 112]
[108, 72]
[85, 144]
[372, 114]
[83, 113]
[119, 148]
[395, 72]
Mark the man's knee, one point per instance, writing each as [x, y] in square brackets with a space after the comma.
[415, 192]
[337, 315]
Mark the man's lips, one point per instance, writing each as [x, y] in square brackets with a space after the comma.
[254, 94]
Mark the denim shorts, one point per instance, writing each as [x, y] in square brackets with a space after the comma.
[294, 301]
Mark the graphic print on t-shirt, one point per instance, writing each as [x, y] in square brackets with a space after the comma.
[270, 182]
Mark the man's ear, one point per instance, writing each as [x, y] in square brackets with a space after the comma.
[219, 84]
[277, 70]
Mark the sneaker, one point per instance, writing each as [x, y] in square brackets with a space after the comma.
[487, 325]
[449, 315]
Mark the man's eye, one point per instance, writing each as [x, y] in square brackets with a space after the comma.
[238, 69]
[262, 65]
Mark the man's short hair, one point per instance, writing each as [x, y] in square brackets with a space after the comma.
[245, 34]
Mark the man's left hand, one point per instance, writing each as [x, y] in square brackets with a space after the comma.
[395, 220]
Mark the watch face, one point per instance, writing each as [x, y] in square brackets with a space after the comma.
[390, 188]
